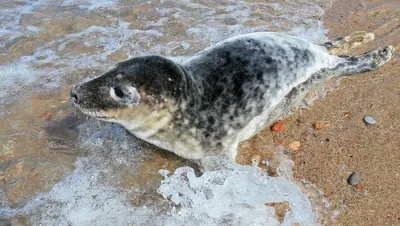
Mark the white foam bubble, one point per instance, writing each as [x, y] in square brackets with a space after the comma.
[14, 77]
[315, 35]
[90, 5]
[236, 195]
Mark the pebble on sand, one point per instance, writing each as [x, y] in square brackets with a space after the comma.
[280, 139]
[278, 127]
[47, 115]
[255, 159]
[321, 124]
[348, 115]
[294, 146]
[369, 120]
[354, 178]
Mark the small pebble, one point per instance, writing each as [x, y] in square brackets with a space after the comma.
[158, 158]
[321, 124]
[47, 115]
[309, 133]
[287, 152]
[255, 159]
[280, 139]
[278, 127]
[294, 146]
[369, 120]
[348, 115]
[354, 178]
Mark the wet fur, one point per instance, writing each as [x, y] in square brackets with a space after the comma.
[221, 96]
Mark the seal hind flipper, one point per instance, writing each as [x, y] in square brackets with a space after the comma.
[352, 65]
[345, 44]
[369, 61]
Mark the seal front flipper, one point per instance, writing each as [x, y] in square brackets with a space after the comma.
[346, 44]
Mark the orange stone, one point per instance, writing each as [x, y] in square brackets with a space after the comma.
[348, 115]
[47, 115]
[321, 124]
[278, 127]
[158, 158]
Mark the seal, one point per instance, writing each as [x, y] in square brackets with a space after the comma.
[220, 96]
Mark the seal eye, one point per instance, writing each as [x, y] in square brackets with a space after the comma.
[118, 92]
[126, 95]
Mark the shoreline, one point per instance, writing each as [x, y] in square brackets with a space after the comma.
[327, 156]
[350, 145]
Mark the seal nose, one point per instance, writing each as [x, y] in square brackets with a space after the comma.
[74, 94]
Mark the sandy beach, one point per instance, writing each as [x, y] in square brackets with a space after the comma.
[329, 155]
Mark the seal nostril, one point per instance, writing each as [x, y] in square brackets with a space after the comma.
[73, 95]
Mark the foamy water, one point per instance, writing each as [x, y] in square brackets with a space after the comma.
[48, 45]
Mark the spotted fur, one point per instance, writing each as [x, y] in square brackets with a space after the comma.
[219, 97]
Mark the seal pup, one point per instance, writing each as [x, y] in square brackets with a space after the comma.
[220, 96]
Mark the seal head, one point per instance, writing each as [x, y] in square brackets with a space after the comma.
[151, 81]
[141, 94]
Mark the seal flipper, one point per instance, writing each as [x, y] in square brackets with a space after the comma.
[345, 44]
[351, 65]
[367, 62]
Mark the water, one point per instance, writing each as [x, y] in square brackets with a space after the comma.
[233, 195]
[66, 169]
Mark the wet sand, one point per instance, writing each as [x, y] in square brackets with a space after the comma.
[371, 150]
[32, 161]
[329, 155]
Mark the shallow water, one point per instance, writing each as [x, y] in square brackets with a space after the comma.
[60, 167]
